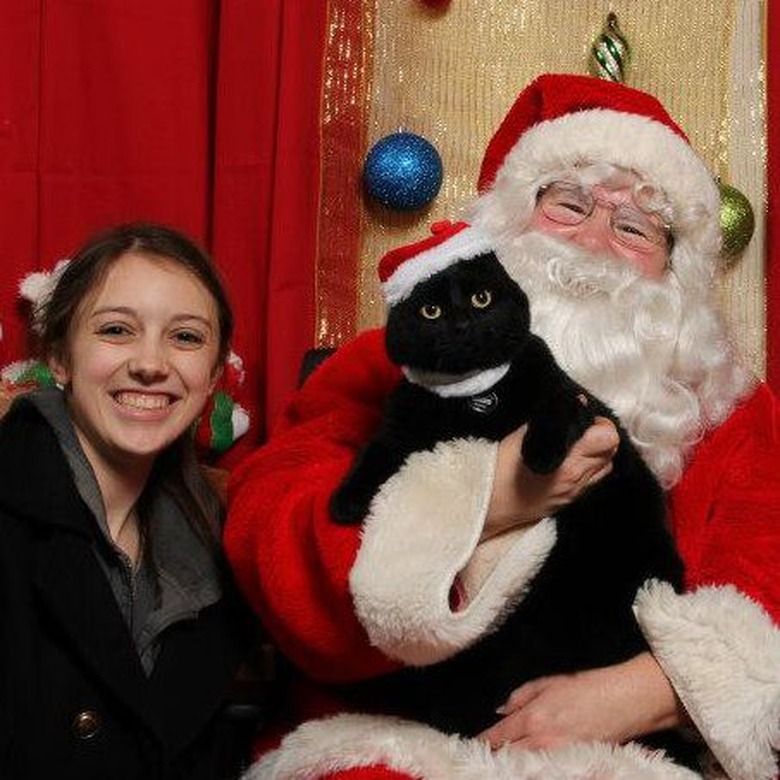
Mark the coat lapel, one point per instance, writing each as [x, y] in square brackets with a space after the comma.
[76, 594]
[186, 698]
[70, 584]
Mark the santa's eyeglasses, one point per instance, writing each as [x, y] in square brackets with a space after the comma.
[569, 204]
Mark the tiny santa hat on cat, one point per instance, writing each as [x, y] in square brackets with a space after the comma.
[561, 123]
[406, 266]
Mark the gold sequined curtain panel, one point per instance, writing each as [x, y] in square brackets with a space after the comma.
[450, 73]
[773, 193]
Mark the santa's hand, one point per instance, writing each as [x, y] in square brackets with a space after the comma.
[612, 704]
[520, 497]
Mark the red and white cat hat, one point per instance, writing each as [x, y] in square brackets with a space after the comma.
[402, 268]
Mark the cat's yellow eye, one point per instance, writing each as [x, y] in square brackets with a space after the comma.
[481, 299]
[430, 311]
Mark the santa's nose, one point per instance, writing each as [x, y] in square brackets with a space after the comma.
[594, 233]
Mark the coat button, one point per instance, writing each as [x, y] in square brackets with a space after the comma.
[86, 724]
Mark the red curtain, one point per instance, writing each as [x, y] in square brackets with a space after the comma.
[177, 112]
[105, 116]
[266, 187]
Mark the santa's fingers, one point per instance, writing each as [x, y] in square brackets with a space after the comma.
[515, 723]
[577, 478]
[600, 440]
[509, 729]
[591, 453]
[524, 729]
[537, 743]
[599, 474]
[521, 696]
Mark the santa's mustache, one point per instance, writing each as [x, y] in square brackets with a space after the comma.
[585, 284]
[568, 269]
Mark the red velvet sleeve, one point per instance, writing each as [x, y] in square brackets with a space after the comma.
[726, 510]
[291, 561]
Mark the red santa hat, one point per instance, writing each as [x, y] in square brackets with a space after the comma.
[560, 123]
[401, 269]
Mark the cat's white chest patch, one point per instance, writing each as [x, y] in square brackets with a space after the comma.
[475, 383]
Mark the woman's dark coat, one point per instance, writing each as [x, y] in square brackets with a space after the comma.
[74, 699]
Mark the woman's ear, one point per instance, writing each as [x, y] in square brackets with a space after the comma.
[59, 370]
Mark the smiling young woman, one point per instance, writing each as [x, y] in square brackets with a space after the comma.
[138, 364]
[121, 634]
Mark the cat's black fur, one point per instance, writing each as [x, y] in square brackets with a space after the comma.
[577, 613]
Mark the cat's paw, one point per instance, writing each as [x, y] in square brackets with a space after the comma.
[555, 425]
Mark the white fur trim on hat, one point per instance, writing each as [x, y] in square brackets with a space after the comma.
[634, 142]
[422, 532]
[721, 652]
[463, 245]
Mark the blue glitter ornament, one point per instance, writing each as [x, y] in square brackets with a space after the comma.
[403, 171]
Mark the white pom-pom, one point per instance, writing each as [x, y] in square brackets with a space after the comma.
[237, 365]
[34, 286]
[39, 285]
[37, 288]
[240, 420]
[13, 371]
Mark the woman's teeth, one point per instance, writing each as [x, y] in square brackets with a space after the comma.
[142, 400]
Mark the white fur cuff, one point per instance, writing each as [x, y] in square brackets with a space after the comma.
[721, 652]
[422, 532]
[348, 741]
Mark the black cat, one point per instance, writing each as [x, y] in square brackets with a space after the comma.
[468, 327]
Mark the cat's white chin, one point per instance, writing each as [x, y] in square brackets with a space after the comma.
[457, 385]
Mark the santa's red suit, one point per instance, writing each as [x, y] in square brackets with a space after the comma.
[347, 603]
[720, 649]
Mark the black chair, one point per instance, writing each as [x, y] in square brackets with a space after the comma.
[311, 359]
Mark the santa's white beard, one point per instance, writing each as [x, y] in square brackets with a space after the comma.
[665, 369]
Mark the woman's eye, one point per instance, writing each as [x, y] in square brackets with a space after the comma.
[114, 330]
[481, 299]
[189, 338]
[430, 311]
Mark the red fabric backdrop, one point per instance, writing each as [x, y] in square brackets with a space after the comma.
[105, 116]
[205, 115]
[178, 112]
[266, 187]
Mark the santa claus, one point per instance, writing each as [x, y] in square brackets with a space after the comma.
[601, 209]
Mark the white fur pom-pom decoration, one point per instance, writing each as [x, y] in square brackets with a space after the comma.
[37, 288]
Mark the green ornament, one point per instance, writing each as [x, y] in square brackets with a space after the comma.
[610, 54]
[38, 374]
[222, 434]
[28, 373]
[737, 221]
